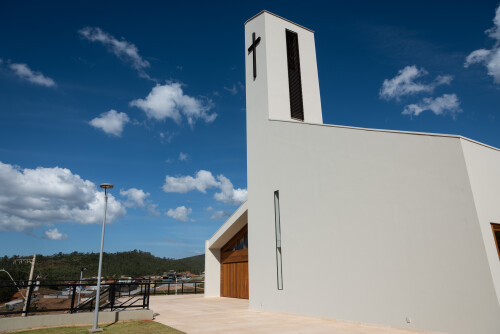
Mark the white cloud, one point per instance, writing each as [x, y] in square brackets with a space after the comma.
[217, 215]
[169, 101]
[228, 194]
[233, 90]
[180, 213]
[25, 73]
[446, 104]
[152, 209]
[489, 58]
[183, 156]
[135, 197]
[182, 184]
[30, 198]
[442, 80]
[405, 83]
[111, 122]
[494, 32]
[204, 180]
[477, 56]
[54, 234]
[123, 49]
[166, 137]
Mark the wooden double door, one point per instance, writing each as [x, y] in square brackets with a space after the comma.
[234, 266]
[235, 280]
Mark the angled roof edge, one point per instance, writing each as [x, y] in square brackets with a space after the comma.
[268, 12]
[391, 131]
[228, 223]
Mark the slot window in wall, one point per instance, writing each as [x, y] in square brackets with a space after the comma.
[496, 236]
[278, 239]
[294, 79]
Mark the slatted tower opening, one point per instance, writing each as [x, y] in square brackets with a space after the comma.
[294, 80]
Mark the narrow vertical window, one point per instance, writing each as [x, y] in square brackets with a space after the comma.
[496, 236]
[278, 238]
[294, 80]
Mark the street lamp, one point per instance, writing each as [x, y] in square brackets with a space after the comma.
[24, 298]
[80, 290]
[94, 329]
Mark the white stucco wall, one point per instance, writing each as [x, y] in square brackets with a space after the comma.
[483, 165]
[212, 271]
[377, 226]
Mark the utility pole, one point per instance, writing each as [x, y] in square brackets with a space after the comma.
[30, 284]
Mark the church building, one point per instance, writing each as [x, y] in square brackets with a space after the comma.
[364, 225]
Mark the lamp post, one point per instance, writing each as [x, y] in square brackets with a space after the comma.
[94, 329]
[80, 290]
[24, 298]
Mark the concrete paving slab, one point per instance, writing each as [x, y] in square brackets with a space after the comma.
[195, 314]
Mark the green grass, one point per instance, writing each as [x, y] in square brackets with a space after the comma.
[129, 327]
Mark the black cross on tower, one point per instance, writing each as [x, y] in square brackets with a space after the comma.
[253, 48]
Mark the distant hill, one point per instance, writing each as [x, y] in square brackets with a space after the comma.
[134, 263]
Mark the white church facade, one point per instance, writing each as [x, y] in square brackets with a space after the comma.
[364, 225]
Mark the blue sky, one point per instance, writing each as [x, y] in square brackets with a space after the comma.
[150, 97]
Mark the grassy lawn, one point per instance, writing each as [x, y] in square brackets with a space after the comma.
[129, 327]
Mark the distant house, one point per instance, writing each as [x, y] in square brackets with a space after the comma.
[125, 279]
[169, 277]
[185, 274]
[401, 228]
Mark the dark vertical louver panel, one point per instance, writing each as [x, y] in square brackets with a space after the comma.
[294, 80]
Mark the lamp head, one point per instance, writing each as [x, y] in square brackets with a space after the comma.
[106, 186]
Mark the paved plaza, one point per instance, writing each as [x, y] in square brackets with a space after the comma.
[195, 314]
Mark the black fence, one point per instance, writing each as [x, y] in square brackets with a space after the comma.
[172, 288]
[65, 297]
[72, 297]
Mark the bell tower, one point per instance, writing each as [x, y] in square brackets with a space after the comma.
[281, 70]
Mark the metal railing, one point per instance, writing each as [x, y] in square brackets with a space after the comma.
[72, 297]
[172, 288]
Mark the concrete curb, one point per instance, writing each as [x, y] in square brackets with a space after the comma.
[51, 320]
